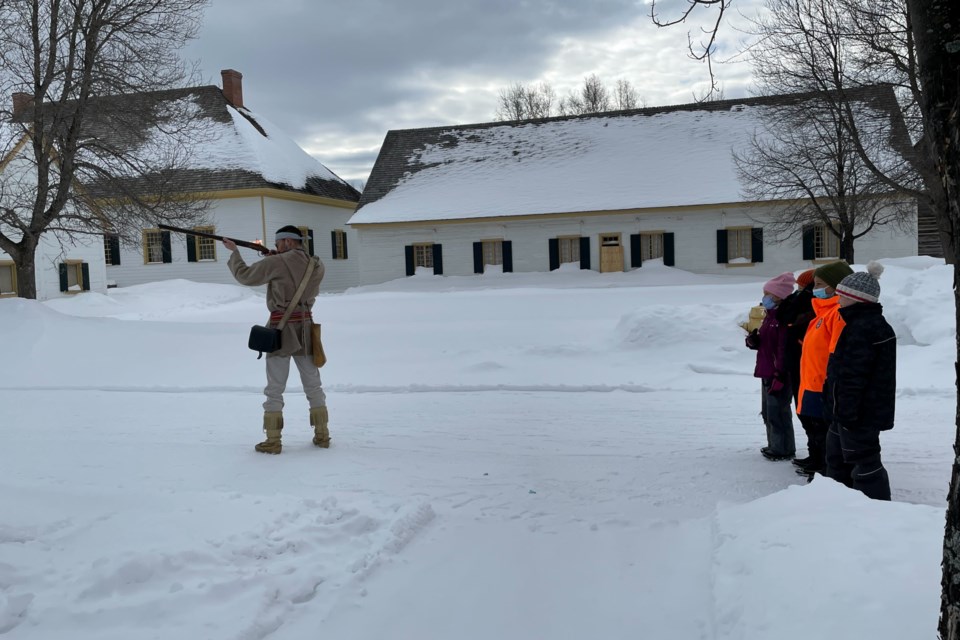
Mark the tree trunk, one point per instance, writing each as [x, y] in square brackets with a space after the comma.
[25, 263]
[846, 248]
[936, 29]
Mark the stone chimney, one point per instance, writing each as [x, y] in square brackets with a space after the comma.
[21, 101]
[232, 86]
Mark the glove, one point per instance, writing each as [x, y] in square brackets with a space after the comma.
[752, 340]
[776, 385]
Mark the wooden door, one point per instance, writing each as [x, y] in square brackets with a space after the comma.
[611, 253]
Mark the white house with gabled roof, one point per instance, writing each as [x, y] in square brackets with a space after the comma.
[255, 177]
[607, 192]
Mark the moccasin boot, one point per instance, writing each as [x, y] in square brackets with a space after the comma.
[272, 426]
[321, 435]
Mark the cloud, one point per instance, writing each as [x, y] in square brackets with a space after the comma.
[337, 76]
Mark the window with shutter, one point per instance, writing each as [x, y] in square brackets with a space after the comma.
[8, 279]
[72, 274]
[739, 245]
[152, 246]
[205, 249]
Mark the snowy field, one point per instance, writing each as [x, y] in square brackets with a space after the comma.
[515, 456]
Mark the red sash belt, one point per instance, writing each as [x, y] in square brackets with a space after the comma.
[296, 316]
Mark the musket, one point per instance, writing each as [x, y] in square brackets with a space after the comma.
[240, 243]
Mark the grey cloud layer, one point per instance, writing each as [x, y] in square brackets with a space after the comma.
[326, 71]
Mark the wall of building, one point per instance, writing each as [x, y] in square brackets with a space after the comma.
[694, 229]
[250, 218]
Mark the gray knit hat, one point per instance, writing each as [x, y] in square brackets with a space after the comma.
[862, 286]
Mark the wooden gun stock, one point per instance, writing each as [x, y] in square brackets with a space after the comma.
[202, 234]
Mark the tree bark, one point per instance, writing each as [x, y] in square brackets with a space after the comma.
[936, 28]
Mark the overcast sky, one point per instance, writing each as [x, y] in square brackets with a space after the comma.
[337, 76]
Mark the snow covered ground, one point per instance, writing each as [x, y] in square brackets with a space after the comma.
[564, 455]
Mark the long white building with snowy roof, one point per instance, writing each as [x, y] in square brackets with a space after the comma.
[607, 192]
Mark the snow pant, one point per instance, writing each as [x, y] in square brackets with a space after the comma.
[278, 370]
[777, 416]
[853, 458]
[816, 430]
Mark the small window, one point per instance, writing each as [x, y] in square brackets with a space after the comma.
[111, 249]
[492, 252]
[153, 246]
[610, 240]
[423, 255]
[826, 244]
[204, 248]
[651, 246]
[74, 276]
[339, 240]
[740, 245]
[569, 248]
[307, 234]
[8, 280]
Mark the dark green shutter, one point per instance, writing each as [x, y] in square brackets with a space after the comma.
[115, 249]
[722, 246]
[333, 244]
[668, 256]
[809, 251]
[408, 253]
[584, 252]
[64, 280]
[507, 256]
[478, 257]
[636, 251]
[554, 254]
[756, 244]
[438, 260]
[191, 248]
[85, 268]
[165, 242]
[310, 242]
[344, 236]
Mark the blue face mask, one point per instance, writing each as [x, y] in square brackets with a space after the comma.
[768, 302]
[821, 293]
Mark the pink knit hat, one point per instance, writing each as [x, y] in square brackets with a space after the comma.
[781, 286]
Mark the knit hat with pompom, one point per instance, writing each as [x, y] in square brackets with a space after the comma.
[862, 286]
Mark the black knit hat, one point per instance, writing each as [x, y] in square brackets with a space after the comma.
[862, 286]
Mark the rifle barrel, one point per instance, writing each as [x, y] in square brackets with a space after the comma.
[204, 234]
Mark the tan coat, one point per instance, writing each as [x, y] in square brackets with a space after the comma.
[282, 274]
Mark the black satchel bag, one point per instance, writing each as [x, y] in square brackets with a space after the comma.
[267, 339]
[264, 339]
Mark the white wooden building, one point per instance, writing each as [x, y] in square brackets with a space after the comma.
[606, 191]
[257, 180]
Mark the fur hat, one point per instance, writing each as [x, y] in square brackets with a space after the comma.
[804, 279]
[862, 286]
[833, 273]
[781, 286]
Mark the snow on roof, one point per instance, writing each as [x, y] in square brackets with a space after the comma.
[666, 157]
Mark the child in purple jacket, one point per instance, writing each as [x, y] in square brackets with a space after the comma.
[770, 342]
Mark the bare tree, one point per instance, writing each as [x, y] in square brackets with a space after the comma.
[525, 102]
[91, 146]
[626, 96]
[592, 97]
[934, 26]
[832, 149]
[837, 47]
[805, 158]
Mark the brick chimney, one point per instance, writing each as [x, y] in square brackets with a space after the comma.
[232, 86]
[21, 101]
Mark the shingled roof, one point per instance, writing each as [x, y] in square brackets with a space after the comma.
[228, 148]
[665, 156]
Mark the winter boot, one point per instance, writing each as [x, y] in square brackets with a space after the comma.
[319, 419]
[272, 426]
